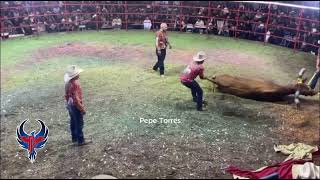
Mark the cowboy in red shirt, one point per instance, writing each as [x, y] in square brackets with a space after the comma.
[73, 98]
[187, 77]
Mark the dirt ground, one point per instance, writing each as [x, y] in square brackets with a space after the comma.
[136, 54]
[303, 123]
[178, 155]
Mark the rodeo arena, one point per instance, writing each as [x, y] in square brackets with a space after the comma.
[160, 89]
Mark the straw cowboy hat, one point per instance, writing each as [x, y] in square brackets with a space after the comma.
[72, 72]
[103, 176]
[200, 56]
[309, 171]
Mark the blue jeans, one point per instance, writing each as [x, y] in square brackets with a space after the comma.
[196, 92]
[160, 62]
[314, 81]
[76, 123]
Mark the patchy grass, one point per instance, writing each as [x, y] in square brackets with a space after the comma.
[118, 93]
[15, 51]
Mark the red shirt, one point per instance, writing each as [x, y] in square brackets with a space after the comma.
[284, 169]
[74, 94]
[191, 72]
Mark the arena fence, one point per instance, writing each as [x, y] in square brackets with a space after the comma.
[172, 12]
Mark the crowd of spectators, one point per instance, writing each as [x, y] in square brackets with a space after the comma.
[242, 20]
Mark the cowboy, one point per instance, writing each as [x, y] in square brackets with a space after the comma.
[161, 45]
[187, 77]
[74, 104]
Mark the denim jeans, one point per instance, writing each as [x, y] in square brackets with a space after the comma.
[160, 62]
[314, 81]
[196, 92]
[76, 123]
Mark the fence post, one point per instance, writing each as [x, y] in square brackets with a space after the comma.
[96, 5]
[33, 11]
[267, 23]
[181, 3]
[208, 17]
[152, 19]
[209, 9]
[298, 30]
[64, 15]
[126, 13]
[238, 14]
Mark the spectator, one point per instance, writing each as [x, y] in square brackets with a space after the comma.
[90, 22]
[177, 24]
[242, 33]
[212, 27]
[258, 16]
[232, 29]
[105, 23]
[116, 23]
[63, 25]
[189, 27]
[50, 24]
[180, 24]
[260, 30]
[277, 34]
[220, 25]
[201, 11]
[25, 26]
[225, 12]
[147, 24]
[8, 25]
[267, 36]
[199, 26]
[183, 25]
[49, 16]
[56, 10]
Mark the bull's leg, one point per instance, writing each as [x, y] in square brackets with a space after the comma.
[296, 99]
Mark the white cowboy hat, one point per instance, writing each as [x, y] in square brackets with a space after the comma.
[72, 71]
[103, 176]
[200, 56]
[309, 171]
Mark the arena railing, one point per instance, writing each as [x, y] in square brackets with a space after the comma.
[181, 7]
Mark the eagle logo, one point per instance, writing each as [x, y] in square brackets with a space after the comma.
[32, 141]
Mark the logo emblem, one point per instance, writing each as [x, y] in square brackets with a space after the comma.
[32, 141]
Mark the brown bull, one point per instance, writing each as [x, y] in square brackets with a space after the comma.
[258, 89]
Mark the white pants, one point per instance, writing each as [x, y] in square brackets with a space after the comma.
[220, 25]
[147, 26]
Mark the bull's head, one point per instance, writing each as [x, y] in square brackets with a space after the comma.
[303, 88]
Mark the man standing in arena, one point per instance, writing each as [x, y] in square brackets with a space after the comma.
[161, 46]
[187, 77]
[313, 81]
[74, 104]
